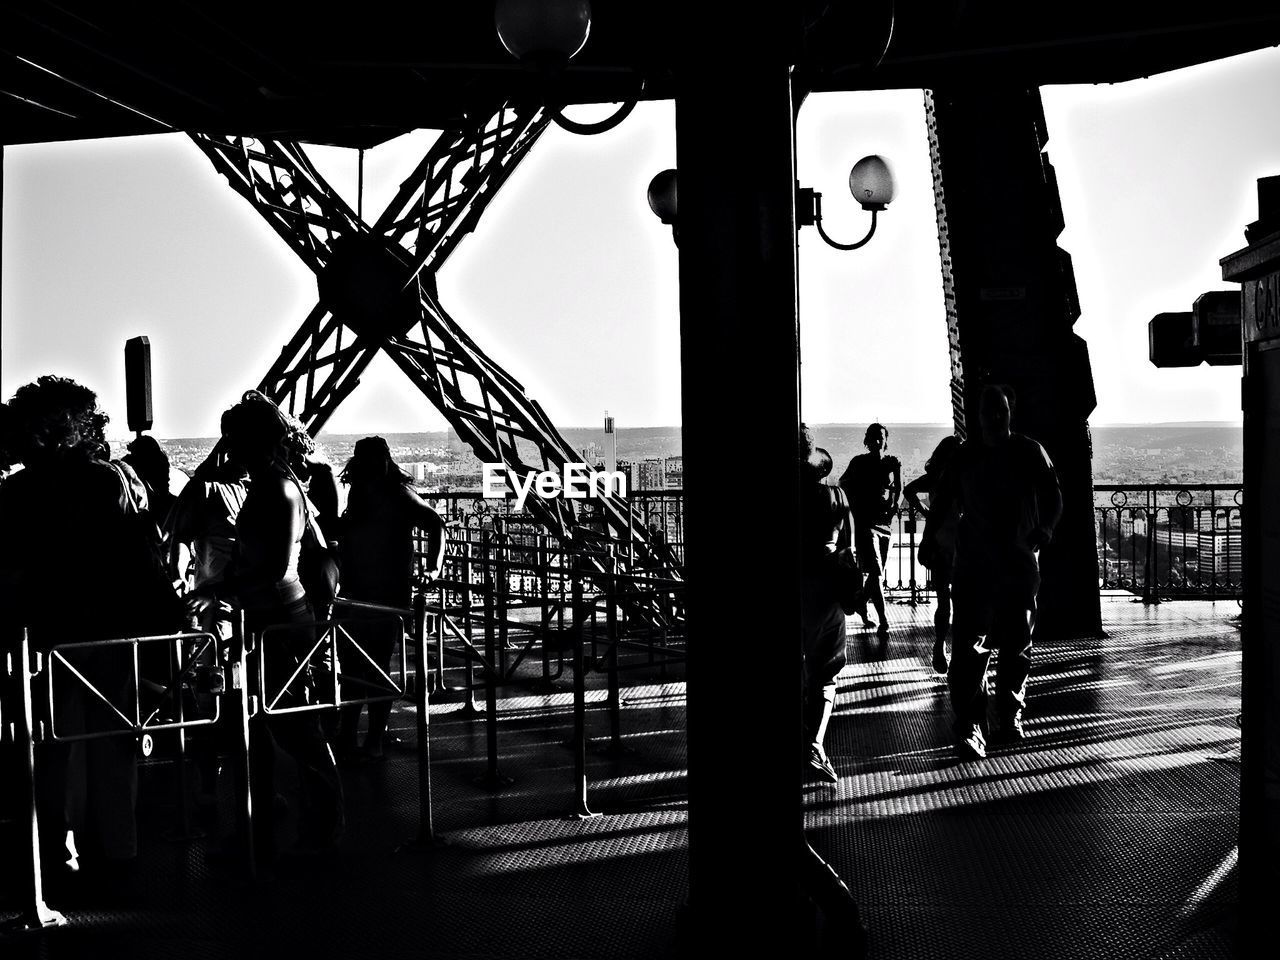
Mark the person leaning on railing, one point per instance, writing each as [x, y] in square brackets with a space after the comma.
[79, 562]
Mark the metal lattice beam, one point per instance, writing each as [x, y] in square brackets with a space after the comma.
[377, 285]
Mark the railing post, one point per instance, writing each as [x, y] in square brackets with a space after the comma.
[426, 823]
[911, 551]
[469, 704]
[241, 681]
[36, 913]
[184, 830]
[581, 810]
[611, 626]
[544, 618]
[1150, 592]
[491, 778]
[502, 574]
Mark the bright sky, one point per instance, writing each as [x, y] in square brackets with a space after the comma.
[570, 281]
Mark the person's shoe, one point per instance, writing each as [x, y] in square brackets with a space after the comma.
[971, 744]
[867, 622]
[882, 631]
[1011, 729]
[939, 659]
[821, 763]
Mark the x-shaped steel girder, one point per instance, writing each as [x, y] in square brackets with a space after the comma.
[378, 292]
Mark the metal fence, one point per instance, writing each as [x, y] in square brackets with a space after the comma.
[1170, 541]
[1176, 541]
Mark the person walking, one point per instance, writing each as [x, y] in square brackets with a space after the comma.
[873, 484]
[1006, 492]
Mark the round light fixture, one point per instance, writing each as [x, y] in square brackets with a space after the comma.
[543, 33]
[871, 183]
[663, 197]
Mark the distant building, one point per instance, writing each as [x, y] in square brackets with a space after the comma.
[630, 470]
[1220, 556]
[652, 474]
[675, 472]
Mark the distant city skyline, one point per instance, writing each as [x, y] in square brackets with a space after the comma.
[570, 283]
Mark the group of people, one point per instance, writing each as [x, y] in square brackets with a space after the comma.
[992, 505]
[94, 548]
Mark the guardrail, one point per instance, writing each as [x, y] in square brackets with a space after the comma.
[1174, 541]
[1170, 541]
[135, 697]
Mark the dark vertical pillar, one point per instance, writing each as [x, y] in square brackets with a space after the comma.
[1257, 269]
[740, 399]
[1011, 303]
[1, 263]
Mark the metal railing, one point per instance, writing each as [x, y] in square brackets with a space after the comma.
[1175, 541]
[1170, 541]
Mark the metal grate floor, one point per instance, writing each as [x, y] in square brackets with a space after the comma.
[1110, 832]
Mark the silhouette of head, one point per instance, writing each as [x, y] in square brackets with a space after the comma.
[815, 462]
[942, 455]
[258, 433]
[54, 417]
[876, 439]
[995, 412]
[150, 461]
[371, 463]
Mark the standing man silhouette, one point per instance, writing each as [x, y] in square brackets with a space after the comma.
[1009, 501]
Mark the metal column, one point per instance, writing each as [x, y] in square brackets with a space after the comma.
[738, 322]
[1011, 303]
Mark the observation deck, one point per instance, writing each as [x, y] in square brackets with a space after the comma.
[1109, 832]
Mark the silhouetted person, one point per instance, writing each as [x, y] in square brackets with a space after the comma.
[873, 484]
[938, 541]
[264, 581]
[202, 538]
[1009, 501]
[79, 562]
[383, 510]
[151, 464]
[823, 511]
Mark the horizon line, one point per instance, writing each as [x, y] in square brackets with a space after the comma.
[858, 424]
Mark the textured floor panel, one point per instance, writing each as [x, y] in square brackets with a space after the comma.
[1109, 832]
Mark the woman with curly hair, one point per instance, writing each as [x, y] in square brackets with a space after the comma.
[73, 525]
[264, 582]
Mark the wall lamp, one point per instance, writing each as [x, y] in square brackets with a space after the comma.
[544, 35]
[870, 182]
[663, 201]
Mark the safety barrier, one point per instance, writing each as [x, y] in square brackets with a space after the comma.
[201, 673]
[507, 599]
[510, 596]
